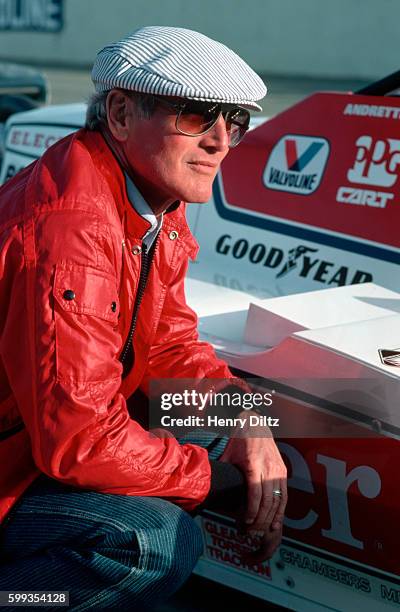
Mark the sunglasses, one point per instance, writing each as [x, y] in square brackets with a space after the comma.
[194, 118]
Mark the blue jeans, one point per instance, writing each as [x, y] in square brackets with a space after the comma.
[109, 551]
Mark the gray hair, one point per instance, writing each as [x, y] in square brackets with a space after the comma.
[96, 113]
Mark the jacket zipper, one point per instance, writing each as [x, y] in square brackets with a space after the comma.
[122, 266]
[147, 258]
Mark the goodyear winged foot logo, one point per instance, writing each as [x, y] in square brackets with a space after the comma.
[296, 164]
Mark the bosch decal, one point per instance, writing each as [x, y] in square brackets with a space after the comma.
[296, 164]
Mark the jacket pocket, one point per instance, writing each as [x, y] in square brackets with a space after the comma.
[84, 290]
[86, 309]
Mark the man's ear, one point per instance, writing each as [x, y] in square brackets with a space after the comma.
[119, 114]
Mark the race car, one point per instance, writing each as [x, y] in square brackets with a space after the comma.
[21, 88]
[296, 286]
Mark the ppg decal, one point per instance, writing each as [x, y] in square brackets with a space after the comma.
[376, 162]
[376, 165]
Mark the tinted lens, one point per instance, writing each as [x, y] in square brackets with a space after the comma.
[237, 123]
[197, 117]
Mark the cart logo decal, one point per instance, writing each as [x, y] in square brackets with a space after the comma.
[296, 164]
[390, 357]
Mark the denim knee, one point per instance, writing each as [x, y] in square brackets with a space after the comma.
[183, 555]
[170, 545]
[107, 550]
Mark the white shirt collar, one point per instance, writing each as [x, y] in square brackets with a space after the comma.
[143, 209]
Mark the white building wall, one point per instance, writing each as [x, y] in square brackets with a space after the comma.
[320, 38]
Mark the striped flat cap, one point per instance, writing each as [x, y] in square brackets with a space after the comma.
[171, 61]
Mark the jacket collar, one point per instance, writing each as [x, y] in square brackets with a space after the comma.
[136, 226]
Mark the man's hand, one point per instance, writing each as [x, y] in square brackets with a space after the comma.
[254, 451]
[270, 540]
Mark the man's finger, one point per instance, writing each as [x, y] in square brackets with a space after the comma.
[280, 512]
[276, 501]
[269, 544]
[254, 497]
[268, 506]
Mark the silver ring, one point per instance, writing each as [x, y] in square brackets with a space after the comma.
[277, 492]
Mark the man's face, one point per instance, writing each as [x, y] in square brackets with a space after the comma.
[169, 166]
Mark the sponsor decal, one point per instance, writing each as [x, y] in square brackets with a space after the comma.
[372, 110]
[263, 212]
[34, 139]
[31, 139]
[390, 357]
[225, 545]
[303, 259]
[388, 593]
[296, 164]
[248, 192]
[376, 164]
[341, 572]
[325, 570]
[363, 197]
[31, 15]
[293, 257]
[339, 479]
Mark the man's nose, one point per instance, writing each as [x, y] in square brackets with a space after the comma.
[216, 138]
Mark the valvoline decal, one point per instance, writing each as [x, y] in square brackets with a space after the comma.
[324, 171]
[296, 164]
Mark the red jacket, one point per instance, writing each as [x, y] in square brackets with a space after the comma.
[67, 224]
